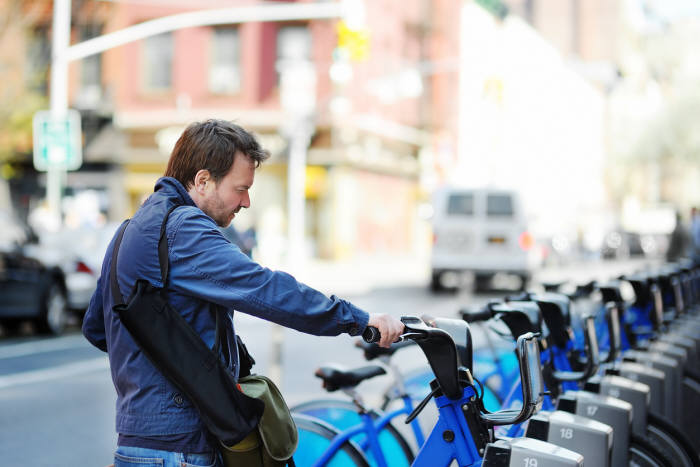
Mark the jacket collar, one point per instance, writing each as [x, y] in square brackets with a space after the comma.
[173, 189]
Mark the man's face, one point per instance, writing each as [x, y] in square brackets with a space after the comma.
[221, 201]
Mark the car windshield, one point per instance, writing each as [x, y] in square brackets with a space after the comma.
[461, 204]
[499, 206]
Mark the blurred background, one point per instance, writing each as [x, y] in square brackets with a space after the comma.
[417, 145]
[587, 108]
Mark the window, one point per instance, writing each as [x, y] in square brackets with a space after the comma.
[293, 45]
[499, 206]
[89, 94]
[158, 62]
[91, 69]
[38, 59]
[460, 205]
[224, 68]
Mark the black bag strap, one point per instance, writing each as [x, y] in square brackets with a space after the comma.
[162, 257]
[164, 268]
[114, 284]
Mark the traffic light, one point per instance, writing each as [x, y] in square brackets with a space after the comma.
[354, 41]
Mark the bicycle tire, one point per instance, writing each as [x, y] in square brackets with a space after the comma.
[691, 408]
[674, 445]
[343, 414]
[315, 436]
[643, 454]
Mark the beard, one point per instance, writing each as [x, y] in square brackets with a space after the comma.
[216, 209]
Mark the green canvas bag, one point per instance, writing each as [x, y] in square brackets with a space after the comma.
[276, 437]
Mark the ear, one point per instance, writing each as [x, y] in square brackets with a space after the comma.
[201, 179]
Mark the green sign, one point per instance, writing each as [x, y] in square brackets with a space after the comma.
[57, 141]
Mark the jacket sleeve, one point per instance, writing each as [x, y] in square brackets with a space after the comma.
[94, 322]
[205, 265]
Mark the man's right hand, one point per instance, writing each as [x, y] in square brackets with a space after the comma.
[390, 328]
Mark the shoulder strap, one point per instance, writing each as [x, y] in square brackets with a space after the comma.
[162, 257]
[116, 293]
[163, 248]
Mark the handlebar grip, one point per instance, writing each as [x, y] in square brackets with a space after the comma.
[371, 335]
[475, 316]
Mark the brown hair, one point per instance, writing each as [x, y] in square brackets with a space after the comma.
[211, 145]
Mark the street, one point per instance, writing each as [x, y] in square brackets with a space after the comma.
[57, 398]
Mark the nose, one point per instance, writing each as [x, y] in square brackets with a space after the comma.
[245, 202]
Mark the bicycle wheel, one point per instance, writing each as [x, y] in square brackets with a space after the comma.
[315, 436]
[674, 445]
[642, 454]
[691, 407]
[343, 415]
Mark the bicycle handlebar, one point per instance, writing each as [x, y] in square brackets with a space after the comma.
[371, 335]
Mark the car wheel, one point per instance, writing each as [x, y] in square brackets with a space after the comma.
[11, 327]
[482, 282]
[55, 314]
[436, 282]
[524, 281]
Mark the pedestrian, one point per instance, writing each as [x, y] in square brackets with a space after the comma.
[695, 234]
[208, 178]
[679, 241]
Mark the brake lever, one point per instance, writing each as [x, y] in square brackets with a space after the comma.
[410, 335]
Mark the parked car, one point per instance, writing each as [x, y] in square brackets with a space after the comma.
[481, 231]
[29, 289]
[78, 252]
[620, 244]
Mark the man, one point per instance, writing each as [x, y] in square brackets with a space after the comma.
[208, 177]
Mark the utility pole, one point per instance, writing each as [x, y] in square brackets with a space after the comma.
[58, 101]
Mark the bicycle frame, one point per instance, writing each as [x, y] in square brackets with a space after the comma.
[441, 447]
[434, 450]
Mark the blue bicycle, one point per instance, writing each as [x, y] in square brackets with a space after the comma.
[463, 432]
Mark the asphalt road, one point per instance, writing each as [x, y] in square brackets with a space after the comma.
[57, 399]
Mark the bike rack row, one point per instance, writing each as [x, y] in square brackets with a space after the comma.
[580, 374]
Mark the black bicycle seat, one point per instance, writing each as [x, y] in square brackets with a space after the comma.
[372, 350]
[335, 377]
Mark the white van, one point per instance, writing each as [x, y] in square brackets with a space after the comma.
[481, 231]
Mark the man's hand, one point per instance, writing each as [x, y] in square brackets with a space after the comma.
[390, 328]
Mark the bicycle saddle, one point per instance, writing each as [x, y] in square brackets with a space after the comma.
[335, 377]
[372, 350]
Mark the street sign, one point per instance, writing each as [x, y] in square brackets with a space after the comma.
[57, 141]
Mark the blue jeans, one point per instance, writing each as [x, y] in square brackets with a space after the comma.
[128, 456]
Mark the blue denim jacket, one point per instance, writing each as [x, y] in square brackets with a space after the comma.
[207, 272]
